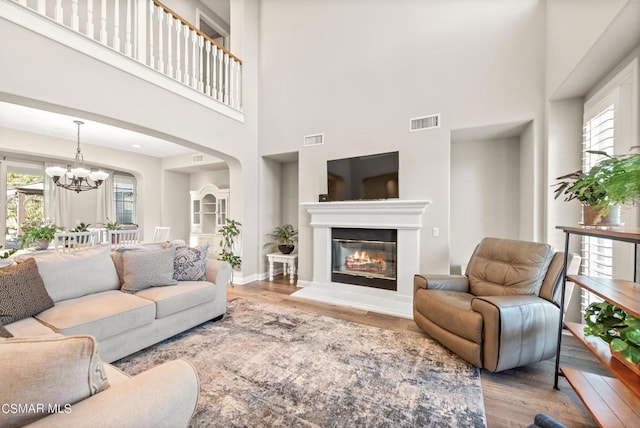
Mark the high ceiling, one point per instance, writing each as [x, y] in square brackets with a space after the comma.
[61, 126]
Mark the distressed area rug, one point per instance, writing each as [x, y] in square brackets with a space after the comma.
[266, 365]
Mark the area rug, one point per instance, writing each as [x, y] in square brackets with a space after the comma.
[266, 365]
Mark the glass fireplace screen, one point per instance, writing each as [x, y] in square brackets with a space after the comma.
[364, 257]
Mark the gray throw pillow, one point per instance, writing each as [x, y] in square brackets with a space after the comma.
[190, 263]
[22, 292]
[144, 269]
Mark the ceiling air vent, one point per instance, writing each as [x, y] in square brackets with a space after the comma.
[197, 158]
[313, 140]
[423, 123]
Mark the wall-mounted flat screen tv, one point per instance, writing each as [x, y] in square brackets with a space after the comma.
[363, 177]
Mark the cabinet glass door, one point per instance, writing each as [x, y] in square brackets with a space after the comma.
[196, 212]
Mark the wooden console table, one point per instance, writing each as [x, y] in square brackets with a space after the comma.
[288, 262]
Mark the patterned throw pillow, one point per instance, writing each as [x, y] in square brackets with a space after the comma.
[190, 263]
[22, 292]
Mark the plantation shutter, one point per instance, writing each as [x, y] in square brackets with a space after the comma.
[597, 253]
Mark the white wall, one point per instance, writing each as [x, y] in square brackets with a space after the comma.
[176, 209]
[359, 76]
[219, 177]
[485, 188]
[290, 193]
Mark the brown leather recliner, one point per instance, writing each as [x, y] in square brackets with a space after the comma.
[504, 311]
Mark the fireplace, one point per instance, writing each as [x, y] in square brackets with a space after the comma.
[365, 257]
[404, 217]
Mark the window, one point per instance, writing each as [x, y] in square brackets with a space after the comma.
[124, 195]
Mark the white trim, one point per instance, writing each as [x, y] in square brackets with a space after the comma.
[200, 15]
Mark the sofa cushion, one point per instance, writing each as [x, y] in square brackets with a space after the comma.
[190, 263]
[44, 374]
[144, 269]
[504, 267]
[22, 292]
[176, 298]
[78, 273]
[452, 311]
[101, 315]
[29, 327]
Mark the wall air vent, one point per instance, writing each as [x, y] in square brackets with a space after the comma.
[197, 158]
[313, 140]
[424, 123]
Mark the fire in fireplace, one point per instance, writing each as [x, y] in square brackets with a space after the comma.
[364, 257]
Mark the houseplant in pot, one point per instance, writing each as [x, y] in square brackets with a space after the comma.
[284, 238]
[39, 236]
[613, 181]
[618, 328]
[230, 235]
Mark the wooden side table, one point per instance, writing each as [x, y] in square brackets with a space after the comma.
[288, 262]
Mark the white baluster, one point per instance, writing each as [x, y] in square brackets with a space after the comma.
[75, 19]
[178, 59]
[116, 25]
[103, 22]
[128, 46]
[141, 30]
[41, 7]
[214, 76]
[185, 78]
[201, 74]
[58, 12]
[89, 28]
[152, 59]
[160, 40]
[220, 75]
[226, 78]
[232, 76]
[169, 45]
[207, 86]
[239, 87]
[194, 75]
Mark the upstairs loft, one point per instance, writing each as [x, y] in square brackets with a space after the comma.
[144, 38]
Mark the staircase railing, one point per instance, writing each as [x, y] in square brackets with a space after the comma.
[153, 34]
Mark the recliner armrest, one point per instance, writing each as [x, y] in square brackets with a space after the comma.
[518, 330]
[441, 282]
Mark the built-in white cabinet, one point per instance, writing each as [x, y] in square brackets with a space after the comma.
[209, 211]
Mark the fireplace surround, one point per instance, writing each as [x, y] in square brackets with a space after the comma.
[402, 216]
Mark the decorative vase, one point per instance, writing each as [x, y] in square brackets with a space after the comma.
[635, 368]
[591, 216]
[42, 244]
[286, 249]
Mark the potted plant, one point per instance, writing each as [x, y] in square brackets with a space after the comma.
[613, 181]
[616, 327]
[284, 237]
[81, 227]
[39, 236]
[230, 231]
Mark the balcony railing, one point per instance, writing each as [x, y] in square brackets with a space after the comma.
[154, 35]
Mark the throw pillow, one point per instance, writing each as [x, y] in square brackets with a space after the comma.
[47, 374]
[22, 292]
[190, 263]
[118, 254]
[4, 332]
[144, 269]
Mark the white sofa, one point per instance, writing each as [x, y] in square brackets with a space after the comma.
[85, 287]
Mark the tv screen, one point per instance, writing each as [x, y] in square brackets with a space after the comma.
[363, 177]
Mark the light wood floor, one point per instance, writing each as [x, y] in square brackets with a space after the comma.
[512, 398]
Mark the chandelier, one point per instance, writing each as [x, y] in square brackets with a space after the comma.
[77, 178]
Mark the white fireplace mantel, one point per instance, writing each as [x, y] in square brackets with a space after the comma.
[403, 215]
